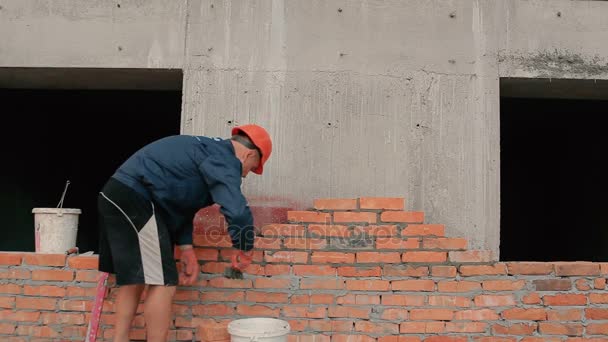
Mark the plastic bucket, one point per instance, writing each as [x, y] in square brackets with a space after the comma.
[258, 329]
[55, 229]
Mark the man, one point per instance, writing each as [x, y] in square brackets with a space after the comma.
[148, 206]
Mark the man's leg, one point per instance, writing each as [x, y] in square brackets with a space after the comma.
[127, 299]
[157, 312]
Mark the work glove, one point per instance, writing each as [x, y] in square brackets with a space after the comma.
[241, 260]
[190, 266]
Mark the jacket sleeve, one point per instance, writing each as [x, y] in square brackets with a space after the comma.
[224, 184]
[184, 236]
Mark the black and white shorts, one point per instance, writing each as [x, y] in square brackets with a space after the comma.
[135, 243]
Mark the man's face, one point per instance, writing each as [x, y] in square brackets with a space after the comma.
[251, 161]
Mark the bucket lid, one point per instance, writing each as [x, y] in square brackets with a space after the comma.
[56, 211]
[258, 327]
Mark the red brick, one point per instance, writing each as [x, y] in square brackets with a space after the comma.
[271, 283]
[212, 240]
[212, 332]
[222, 282]
[445, 339]
[444, 243]
[10, 289]
[7, 302]
[476, 315]
[352, 217]
[15, 273]
[405, 271]
[257, 310]
[83, 262]
[358, 299]
[477, 270]
[531, 298]
[494, 300]
[503, 285]
[376, 327]
[76, 305]
[52, 318]
[351, 338]
[394, 338]
[331, 326]
[599, 283]
[308, 216]
[332, 258]
[424, 328]
[515, 329]
[424, 230]
[222, 296]
[87, 276]
[382, 203]
[466, 327]
[576, 269]
[394, 314]
[367, 285]
[186, 295]
[402, 216]
[376, 230]
[565, 315]
[424, 256]
[431, 314]
[348, 312]
[598, 298]
[283, 230]
[19, 316]
[35, 303]
[471, 256]
[10, 258]
[44, 291]
[450, 301]
[596, 313]
[308, 338]
[304, 311]
[378, 257]
[412, 285]
[292, 257]
[597, 329]
[334, 230]
[272, 270]
[402, 300]
[210, 254]
[359, 271]
[214, 267]
[213, 310]
[266, 297]
[314, 270]
[565, 299]
[552, 284]
[312, 299]
[529, 268]
[303, 243]
[321, 284]
[527, 314]
[44, 259]
[53, 275]
[444, 271]
[561, 328]
[397, 243]
[458, 286]
[7, 328]
[335, 204]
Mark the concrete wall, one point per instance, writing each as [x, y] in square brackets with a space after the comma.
[364, 97]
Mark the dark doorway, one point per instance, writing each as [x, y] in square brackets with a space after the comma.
[553, 179]
[51, 136]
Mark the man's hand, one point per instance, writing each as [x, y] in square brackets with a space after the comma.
[242, 260]
[190, 266]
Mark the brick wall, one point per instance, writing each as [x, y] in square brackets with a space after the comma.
[348, 270]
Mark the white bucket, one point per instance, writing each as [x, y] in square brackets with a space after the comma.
[258, 329]
[55, 229]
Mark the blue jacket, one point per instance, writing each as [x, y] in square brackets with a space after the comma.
[184, 173]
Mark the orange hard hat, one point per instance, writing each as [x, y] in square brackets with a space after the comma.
[260, 138]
